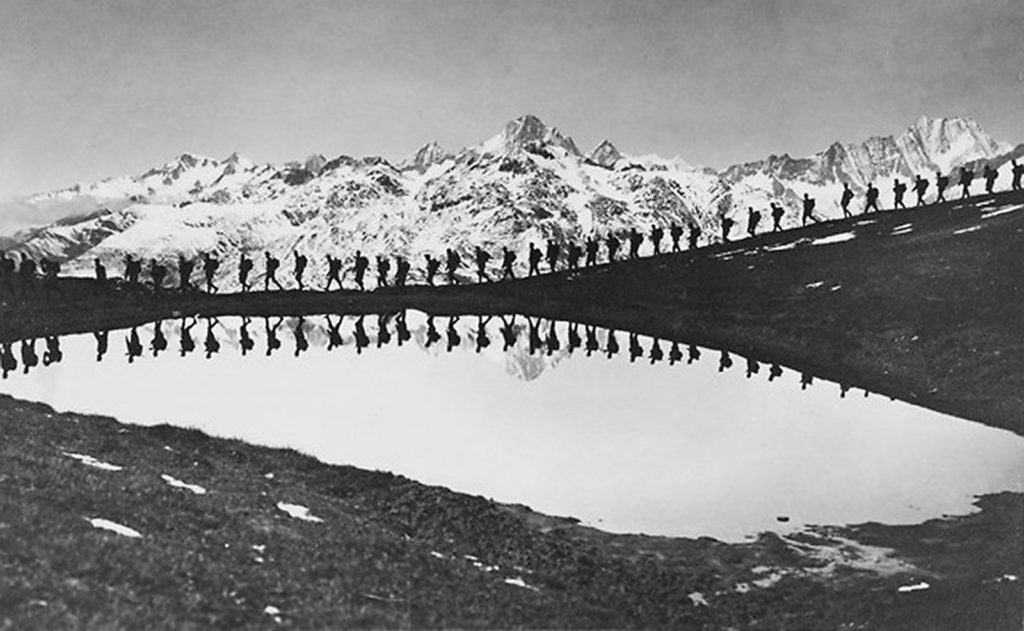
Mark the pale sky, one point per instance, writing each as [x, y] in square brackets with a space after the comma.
[100, 88]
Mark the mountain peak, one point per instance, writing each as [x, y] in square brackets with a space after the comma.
[424, 157]
[528, 130]
[605, 154]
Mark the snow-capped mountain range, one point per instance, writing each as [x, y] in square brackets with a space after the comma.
[530, 182]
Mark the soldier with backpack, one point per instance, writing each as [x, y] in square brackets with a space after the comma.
[871, 198]
[244, 267]
[508, 259]
[333, 272]
[898, 189]
[941, 182]
[777, 214]
[360, 269]
[675, 231]
[844, 201]
[481, 256]
[210, 265]
[990, 174]
[809, 209]
[432, 266]
[920, 187]
[753, 218]
[300, 268]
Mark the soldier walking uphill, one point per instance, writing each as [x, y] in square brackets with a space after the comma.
[573, 255]
[402, 268]
[920, 187]
[383, 267]
[452, 263]
[535, 256]
[360, 269]
[613, 243]
[898, 189]
[694, 236]
[657, 234]
[300, 268]
[753, 218]
[872, 199]
[777, 214]
[965, 182]
[210, 265]
[185, 266]
[941, 182]
[432, 266]
[809, 209]
[244, 267]
[990, 176]
[481, 256]
[592, 245]
[270, 276]
[844, 201]
[675, 231]
[727, 224]
[508, 259]
[1018, 173]
[101, 271]
[553, 250]
[635, 239]
[132, 269]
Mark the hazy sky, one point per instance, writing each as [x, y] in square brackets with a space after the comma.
[98, 88]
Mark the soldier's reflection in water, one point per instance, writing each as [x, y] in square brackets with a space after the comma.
[299, 333]
[552, 339]
[7, 361]
[362, 340]
[692, 354]
[656, 353]
[592, 343]
[675, 354]
[185, 342]
[752, 367]
[774, 372]
[453, 335]
[383, 335]
[402, 329]
[482, 340]
[535, 342]
[211, 345]
[724, 362]
[102, 339]
[245, 340]
[574, 337]
[271, 331]
[806, 379]
[159, 342]
[432, 335]
[508, 332]
[134, 345]
[334, 339]
[52, 354]
[611, 344]
[635, 350]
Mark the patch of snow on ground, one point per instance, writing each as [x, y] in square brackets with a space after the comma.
[298, 512]
[92, 462]
[698, 599]
[835, 238]
[913, 588]
[839, 551]
[865, 222]
[269, 476]
[519, 582]
[966, 230]
[835, 288]
[106, 524]
[178, 484]
[814, 285]
[768, 581]
[437, 555]
[1001, 211]
[742, 588]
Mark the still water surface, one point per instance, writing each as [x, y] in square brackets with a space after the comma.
[698, 446]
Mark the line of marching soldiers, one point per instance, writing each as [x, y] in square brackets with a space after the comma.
[25, 275]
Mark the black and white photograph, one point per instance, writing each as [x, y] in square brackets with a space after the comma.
[534, 314]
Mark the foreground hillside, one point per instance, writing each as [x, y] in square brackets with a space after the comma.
[104, 525]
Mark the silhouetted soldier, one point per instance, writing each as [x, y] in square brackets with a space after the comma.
[534, 336]
[210, 265]
[508, 332]
[29, 359]
[724, 361]
[211, 344]
[102, 339]
[843, 389]
[133, 345]
[675, 354]
[965, 182]
[52, 354]
[552, 339]
[613, 243]
[51, 270]
[508, 260]
[920, 187]
[753, 218]
[271, 333]
[871, 197]
[402, 268]
[432, 335]
[611, 345]
[299, 333]
[693, 237]
[635, 240]
[657, 234]
[7, 267]
[727, 224]
[333, 273]
[244, 339]
[752, 367]
[553, 250]
[990, 176]
[898, 189]
[186, 343]
[383, 335]
[334, 338]
[591, 258]
[844, 201]
[809, 209]
[535, 256]
[1018, 173]
[806, 379]
[185, 266]
[635, 350]
[573, 255]
[7, 361]
[774, 372]
[574, 336]
[675, 231]
[383, 267]
[27, 274]
[481, 257]
[271, 263]
[360, 269]
[101, 272]
[300, 268]
[482, 341]
[157, 272]
[132, 269]
[452, 264]
[692, 354]
[159, 342]
[244, 267]
[453, 336]
[592, 344]
[362, 339]
[941, 182]
[777, 214]
[432, 266]
[402, 328]
[656, 354]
